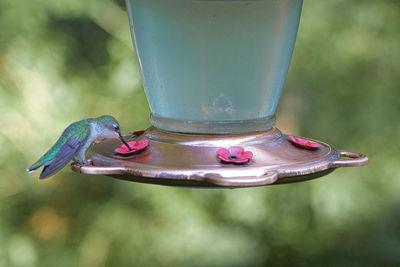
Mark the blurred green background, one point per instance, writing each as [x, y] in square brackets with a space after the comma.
[61, 61]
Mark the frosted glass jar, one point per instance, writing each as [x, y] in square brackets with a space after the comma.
[213, 66]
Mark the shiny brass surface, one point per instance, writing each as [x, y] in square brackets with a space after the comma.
[191, 160]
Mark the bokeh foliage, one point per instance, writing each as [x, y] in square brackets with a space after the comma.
[61, 61]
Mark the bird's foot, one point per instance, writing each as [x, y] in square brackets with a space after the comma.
[81, 163]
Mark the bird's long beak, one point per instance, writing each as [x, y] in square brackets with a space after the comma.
[123, 141]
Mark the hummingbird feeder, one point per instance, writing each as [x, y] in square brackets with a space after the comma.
[213, 71]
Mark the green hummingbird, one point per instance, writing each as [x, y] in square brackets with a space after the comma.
[74, 142]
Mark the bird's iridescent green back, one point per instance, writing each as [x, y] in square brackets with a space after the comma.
[80, 130]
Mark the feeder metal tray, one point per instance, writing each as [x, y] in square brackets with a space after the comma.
[191, 160]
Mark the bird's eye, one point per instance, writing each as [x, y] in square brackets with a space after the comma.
[116, 127]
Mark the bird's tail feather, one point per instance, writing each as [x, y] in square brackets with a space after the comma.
[36, 165]
[30, 170]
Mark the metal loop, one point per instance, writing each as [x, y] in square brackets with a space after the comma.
[356, 160]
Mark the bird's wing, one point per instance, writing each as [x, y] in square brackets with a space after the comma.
[70, 146]
[77, 130]
[64, 155]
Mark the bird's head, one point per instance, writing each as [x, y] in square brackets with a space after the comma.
[110, 128]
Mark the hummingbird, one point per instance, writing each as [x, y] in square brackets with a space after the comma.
[74, 142]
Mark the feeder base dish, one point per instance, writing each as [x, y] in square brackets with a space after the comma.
[178, 159]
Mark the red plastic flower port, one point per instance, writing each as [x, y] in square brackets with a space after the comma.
[303, 142]
[135, 147]
[235, 154]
